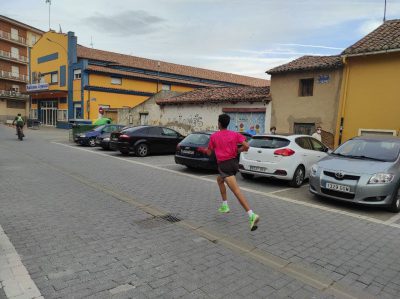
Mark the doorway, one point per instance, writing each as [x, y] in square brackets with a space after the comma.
[48, 113]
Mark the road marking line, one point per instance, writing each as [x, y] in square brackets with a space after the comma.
[265, 194]
[277, 191]
[165, 165]
[204, 176]
[393, 219]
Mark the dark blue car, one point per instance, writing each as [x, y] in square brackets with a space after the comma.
[89, 137]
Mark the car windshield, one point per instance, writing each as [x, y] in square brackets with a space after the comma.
[99, 128]
[268, 142]
[200, 139]
[379, 150]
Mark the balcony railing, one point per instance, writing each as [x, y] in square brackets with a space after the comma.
[13, 38]
[13, 94]
[12, 56]
[14, 76]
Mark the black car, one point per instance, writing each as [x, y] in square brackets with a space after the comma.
[103, 140]
[144, 140]
[189, 151]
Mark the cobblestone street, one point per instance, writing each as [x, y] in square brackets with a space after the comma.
[81, 222]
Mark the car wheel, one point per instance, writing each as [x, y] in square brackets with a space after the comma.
[125, 153]
[395, 205]
[247, 175]
[298, 177]
[92, 142]
[142, 150]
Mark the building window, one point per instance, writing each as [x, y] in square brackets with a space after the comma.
[54, 78]
[14, 53]
[304, 128]
[15, 71]
[15, 104]
[166, 87]
[63, 100]
[33, 114]
[116, 80]
[15, 88]
[14, 34]
[62, 115]
[77, 74]
[34, 101]
[306, 87]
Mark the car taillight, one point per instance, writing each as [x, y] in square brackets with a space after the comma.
[284, 152]
[202, 150]
[124, 136]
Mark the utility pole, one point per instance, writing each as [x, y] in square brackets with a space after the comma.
[49, 1]
[384, 13]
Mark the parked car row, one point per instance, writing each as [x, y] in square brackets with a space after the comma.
[363, 170]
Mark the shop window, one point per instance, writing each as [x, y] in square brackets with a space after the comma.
[306, 87]
[54, 78]
[116, 80]
[15, 104]
[33, 114]
[62, 115]
[77, 74]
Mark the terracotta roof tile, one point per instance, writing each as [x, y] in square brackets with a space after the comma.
[385, 37]
[307, 63]
[220, 95]
[166, 67]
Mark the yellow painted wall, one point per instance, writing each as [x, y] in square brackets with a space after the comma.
[179, 88]
[58, 44]
[370, 94]
[114, 100]
[129, 84]
[76, 93]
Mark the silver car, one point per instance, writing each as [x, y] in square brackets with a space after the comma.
[364, 170]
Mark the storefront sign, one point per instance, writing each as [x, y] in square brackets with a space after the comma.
[38, 86]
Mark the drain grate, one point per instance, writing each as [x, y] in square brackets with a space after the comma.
[170, 218]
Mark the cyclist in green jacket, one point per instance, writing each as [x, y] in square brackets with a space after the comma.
[19, 122]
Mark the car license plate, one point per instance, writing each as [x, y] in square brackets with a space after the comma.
[258, 168]
[337, 187]
[114, 139]
[188, 152]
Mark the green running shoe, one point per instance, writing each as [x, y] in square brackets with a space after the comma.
[224, 209]
[253, 219]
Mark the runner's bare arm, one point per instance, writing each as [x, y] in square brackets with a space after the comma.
[244, 147]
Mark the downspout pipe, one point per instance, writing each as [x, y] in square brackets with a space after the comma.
[344, 99]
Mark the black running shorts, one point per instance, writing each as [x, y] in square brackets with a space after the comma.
[228, 168]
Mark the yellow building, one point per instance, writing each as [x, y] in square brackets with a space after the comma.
[370, 92]
[74, 82]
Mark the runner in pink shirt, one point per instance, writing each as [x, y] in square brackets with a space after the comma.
[224, 144]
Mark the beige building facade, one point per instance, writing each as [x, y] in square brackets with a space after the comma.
[305, 94]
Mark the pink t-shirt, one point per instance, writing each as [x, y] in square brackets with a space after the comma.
[224, 143]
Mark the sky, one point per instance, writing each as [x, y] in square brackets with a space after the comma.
[245, 37]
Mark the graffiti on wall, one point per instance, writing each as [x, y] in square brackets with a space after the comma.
[189, 123]
[243, 121]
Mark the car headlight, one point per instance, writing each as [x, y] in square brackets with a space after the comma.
[82, 135]
[381, 178]
[314, 170]
[106, 139]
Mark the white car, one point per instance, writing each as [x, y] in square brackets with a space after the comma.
[284, 157]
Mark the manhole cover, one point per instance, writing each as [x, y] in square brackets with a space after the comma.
[157, 221]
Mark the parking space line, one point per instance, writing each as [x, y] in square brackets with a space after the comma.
[165, 165]
[265, 194]
[394, 218]
[282, 190]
